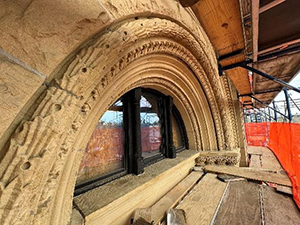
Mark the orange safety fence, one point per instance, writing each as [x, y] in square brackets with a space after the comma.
[284, 140]
[257, 133]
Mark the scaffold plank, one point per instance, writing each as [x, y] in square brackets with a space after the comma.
[251, 173]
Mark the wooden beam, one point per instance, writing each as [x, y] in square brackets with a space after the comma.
[281, 46]
[255, 25]
[252, 174]
[270, 5]
[200, 205]
[157, 212]
[188, 3]
[284, 189]
[120, 210]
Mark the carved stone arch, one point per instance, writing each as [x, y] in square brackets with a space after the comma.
[142, 37]
[171, 77]
[39, 169]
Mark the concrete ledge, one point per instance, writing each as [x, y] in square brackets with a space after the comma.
[117, 200]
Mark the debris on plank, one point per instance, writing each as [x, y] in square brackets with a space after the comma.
[176, 217]
[284, 189]
[226, 178]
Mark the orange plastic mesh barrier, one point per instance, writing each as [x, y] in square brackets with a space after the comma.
[284, 140]
[257, 133]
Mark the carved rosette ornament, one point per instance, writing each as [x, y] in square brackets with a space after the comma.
[39, 170]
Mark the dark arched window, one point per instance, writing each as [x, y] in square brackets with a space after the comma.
[142, 127]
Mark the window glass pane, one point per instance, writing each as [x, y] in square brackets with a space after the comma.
[105, 150]
[150, 125]
[177, 138]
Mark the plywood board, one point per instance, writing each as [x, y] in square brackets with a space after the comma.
[284, 68]
[240, 79]
[200, 205]
[279, 208]
[222, 23]
[240, 205]
[253, 174]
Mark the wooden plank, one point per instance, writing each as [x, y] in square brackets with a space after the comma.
[142, 216]
[255, 25]
[279, 208]
[159, 209]
[174, 196]
[222, 23]
[284, 189]
[270, 5]
[255, 161]
[200, 205]
[240, 79]
[253, 174]
[240, 205]
[120, 211]
[283, 45]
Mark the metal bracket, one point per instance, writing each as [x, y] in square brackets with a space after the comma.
[265, 75]
[231, 54]
[259, 93]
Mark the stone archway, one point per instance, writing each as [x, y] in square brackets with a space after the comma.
[39, 170]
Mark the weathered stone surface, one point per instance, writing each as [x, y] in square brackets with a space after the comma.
[17, 85]
[163, 9]
[42, 33]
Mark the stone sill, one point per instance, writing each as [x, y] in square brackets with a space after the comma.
[116, 201]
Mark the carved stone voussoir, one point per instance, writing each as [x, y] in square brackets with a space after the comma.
[230, 158]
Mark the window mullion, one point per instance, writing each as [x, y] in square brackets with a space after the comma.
[137, 162]
[170, 149]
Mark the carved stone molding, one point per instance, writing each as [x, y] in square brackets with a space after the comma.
[38, 172]
[183, 43]
[230, 158]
